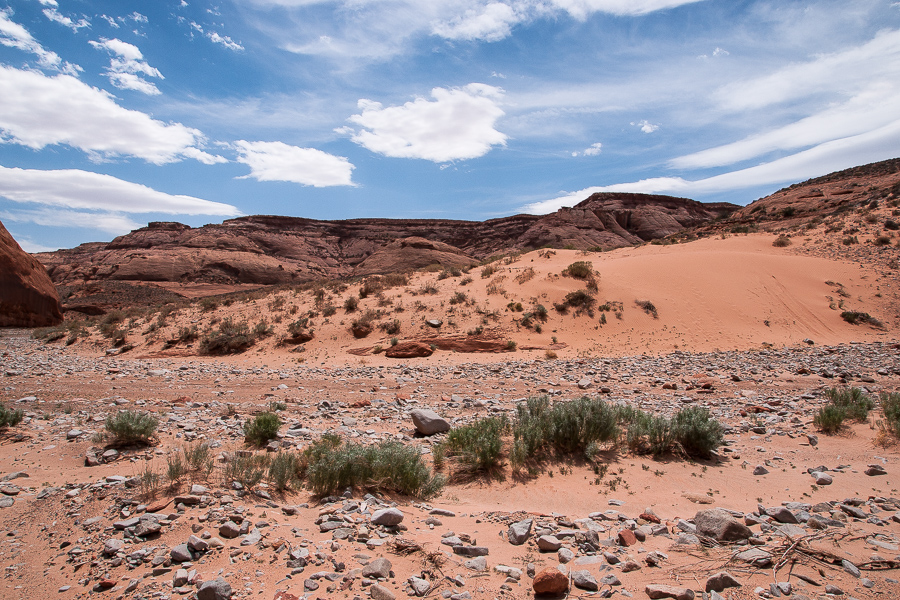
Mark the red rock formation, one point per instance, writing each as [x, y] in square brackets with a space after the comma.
[270, 249]
[27, 296]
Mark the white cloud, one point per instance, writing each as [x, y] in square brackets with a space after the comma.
[49, 2]
[377, 29]
[646, 126]
[594, 150]
[110, 20]
[490, 23]
[830, 156]
[14, 35]
[83, 190]
[224, 40]
[457, 124]
[138, 17]
[36, 111]
[277, 161]
[127, 65]
[57, 17]
[108, 222]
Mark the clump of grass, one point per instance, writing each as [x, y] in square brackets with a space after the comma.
[248, 471]
[855, 318]
[581, 269]
[390, 327]
[697, 433]
[782, 241]
[175, 469]
[830, 418]
[149, 482]
[198, 458]
[284, 470]
[458, 298]
[488, 270]
[262, 428]
[580, 299]
[362, 326]
[351, 304]
[130, 427]
[478, 446]
[10, 418]
[890, 404]
[332, 466]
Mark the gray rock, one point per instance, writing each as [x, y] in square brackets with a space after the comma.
[564, 555]
[479, 563]
[379, 592]
[782, 514]
[585, 581]
[195, 543]
[380, 568]
[252, 538]
[229, 530]
[548, 543]
[721, 526]
[181, 553]
[180, 577]
[833, 590]
[611, 579]
[760, 470]
[654, 591]
[851, 568]
[721, 581]
[822, 478]
[216, 589]
[428, 422]
[875, 470]
[518, 533]
[471, 550]
[387, 516]
[419, 586]
[755, 556]
[112, 546]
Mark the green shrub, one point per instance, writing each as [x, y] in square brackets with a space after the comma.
[854, 401]
[646, 433]
[782, 241]
[351, 304]
[284, 470]
[248, 471]
[198, 458]
[648, 307]
[175, 469]
[581, 299]
[581, 269]
[129, 427]
[478, 446]
[332, 466]
[890, 404]
[262, 428]
[390, 327]
[10, 418]
[855, 318]
[228, 338]
[696, 433]
[830, 418]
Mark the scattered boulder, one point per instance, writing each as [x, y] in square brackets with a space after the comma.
[721, 526]
[721, 581]
[409, 350]
[428, 422]
[379, 568]
[550, 582]
[519, 532]
[669, 591]
[387, 516]
[216, 589]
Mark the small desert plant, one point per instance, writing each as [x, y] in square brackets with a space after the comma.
[390, 327]
[830, 418]
[855, 318]
[208, 304]
[458, 298]
[229, 337]
[129, 427]
[648, 307]
[855, 401]
[511, 345]
[175, 469]
[149, 482]
[198, 458]
[262, 428]
[284, 469]
[351, 304]
[890, 404]
[478, 446]
[581, 299]
[277, 406]
[581, 269]
[488, 270]
[262, 329]
[882, 240]
[10, 418]
[332, 465]
[246, 470]
[697, 433]
[526, 275]
[647, 433]
[782, 241]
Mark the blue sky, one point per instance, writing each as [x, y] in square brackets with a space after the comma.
[117, 113]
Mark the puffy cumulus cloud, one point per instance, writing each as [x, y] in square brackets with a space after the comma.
[490, 23]
[37, 111]
[83, 190]
[127, 65]
[14, 35]
[594, 150]
[277, 161]
[646, 126]
[457, 124]
[821, 159]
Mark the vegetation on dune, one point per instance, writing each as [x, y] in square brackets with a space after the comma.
[130, 427]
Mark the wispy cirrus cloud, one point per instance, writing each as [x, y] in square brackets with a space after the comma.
[277, 161]
[459, 123]
[37, 111]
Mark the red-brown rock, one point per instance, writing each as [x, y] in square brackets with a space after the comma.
[550, 582]
[650, 518]
[27, 296]
[626, 538]
[409, 350]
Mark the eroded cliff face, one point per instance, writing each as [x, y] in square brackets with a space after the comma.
[27, 296]
[271, 249]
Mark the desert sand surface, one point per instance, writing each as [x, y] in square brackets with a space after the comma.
[748, 330]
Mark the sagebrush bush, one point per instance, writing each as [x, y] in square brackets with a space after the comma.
[782, 241]
[581, 269]
[351, 304]
[131, 427]
[855, 402]
[890, 404]
[696, 433]
[581, 299]
[646, 433]
[332, 466]
[478, 446]
[248, 471]
[284, 470]
[229, 337]
[262, 428]
[830, 418]
[198, 458]
[10, 418]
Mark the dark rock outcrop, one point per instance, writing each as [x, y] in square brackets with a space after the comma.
[27, 296]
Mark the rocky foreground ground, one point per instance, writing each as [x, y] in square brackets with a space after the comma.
[780, 510]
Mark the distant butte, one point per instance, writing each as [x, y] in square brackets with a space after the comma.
[267, 250]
